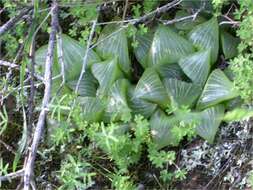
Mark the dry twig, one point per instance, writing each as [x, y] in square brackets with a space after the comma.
[8, 25]
[29, 165]
[12, 175]
[17, 67]
[85, 59]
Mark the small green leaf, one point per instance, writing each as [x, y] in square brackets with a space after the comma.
[218, 88]
[238, 114]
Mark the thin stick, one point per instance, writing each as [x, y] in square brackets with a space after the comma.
[9, 24]
[60, 53]
[29, 166]
[193, 16]
[12, 175]
[8, 147]
[138, 20]
[32, 89]
[234, 23]
[125, 10]
[159, 10]
[85, 59]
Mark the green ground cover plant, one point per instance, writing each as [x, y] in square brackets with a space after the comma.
[127, 93]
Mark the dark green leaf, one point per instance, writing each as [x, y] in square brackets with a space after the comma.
[161, 126]
[168, 47]
[113, 43]
[210, 120]
[206, 36]
[140, 106]
[88, 85]
[93, 108]
[150, 88]
[196, 66]
[117, 106]
[167, 71]
[218, 88]
[183, 94]
[229, 45]
[141, 51]
[106, 73]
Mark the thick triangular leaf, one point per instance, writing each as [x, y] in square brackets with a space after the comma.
[187, 24]
[140, 106]
[106, 73]
[210, 120]
[113, 43]
[184, 94]
[150, 88]
[73, 54]
[196, 66]
[88, 85]
[161, 126]
[168, 47]
[167, 71]
[206, 36]
[92, 108]
[40, 59]
[229, 45]
[141, 51]
[117, 106]
[218, 88]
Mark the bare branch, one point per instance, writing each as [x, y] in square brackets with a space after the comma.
[32, 89]
[137, 20]
[60, 54]
[159, 10]
[8, 147]
[8, 25]
[12, 175]
[234, 23]
[17, 67]
[29, 166]
[229, 21]
[125, 10]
